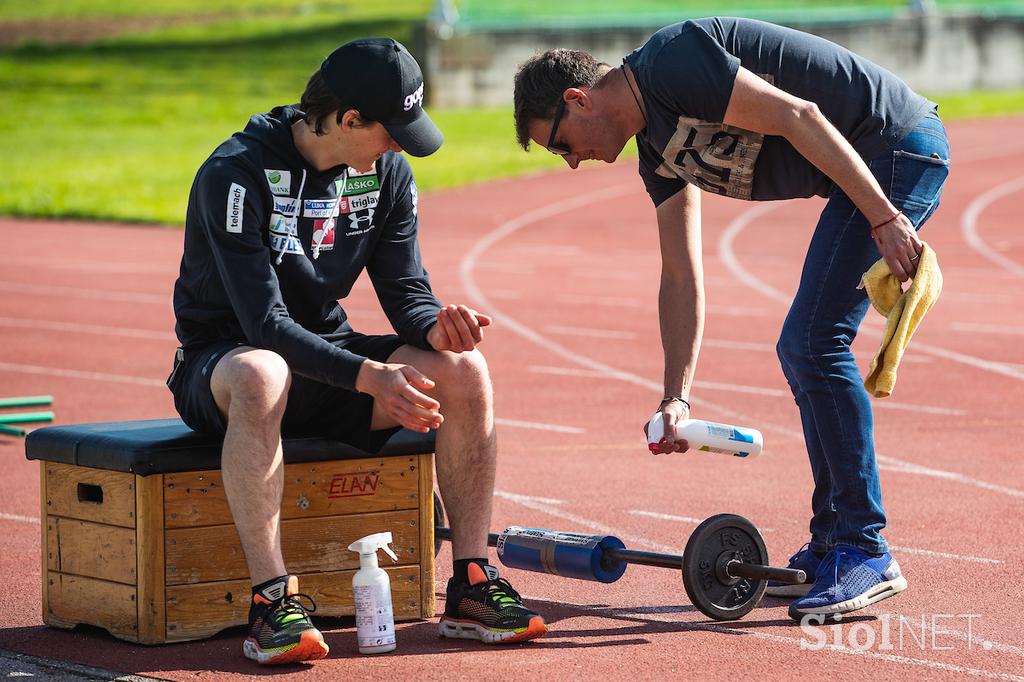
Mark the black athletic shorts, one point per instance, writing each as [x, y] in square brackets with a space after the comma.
[314, 409]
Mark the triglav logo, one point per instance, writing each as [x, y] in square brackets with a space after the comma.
[415, 98]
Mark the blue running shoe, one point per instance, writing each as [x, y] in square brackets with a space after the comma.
[849, 579]
[803, 560]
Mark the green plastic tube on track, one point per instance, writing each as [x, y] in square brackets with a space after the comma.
[27, 401]
[23, 417]
[11, 431]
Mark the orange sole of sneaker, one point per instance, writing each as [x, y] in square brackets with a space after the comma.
[537, 628]
[310, 648]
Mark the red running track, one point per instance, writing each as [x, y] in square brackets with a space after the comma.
[568, 264]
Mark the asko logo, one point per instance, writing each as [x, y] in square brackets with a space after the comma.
[354, 484]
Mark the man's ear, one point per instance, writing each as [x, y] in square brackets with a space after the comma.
[577, 98]
[351, 119]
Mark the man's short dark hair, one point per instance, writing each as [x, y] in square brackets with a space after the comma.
[318, 102]
[542, 79]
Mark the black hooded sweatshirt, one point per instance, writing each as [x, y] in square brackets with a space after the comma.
[271, 244]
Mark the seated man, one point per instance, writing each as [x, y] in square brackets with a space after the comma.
[282, 219]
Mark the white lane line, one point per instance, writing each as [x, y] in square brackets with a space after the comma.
[664, 517]
[986, 328]
[870, 326]
[969, 224]
[557, 428]
[589, 333]
[799, 643]
[121, 268]
[738, 345]
[17, 517]
[945, 555]
[977, 298]
[90, 294]
[923, 409]
[468, 263]
[126, 332]
[738, 311]
[740, 388]
[516, 497]
[582, 522]
[903, 467]
[78, 374]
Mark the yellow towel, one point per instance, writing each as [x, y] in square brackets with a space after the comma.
[903, 310]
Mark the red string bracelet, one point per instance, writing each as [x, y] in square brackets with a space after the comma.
[883, 224]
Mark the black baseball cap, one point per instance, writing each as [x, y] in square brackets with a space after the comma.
[381, 80]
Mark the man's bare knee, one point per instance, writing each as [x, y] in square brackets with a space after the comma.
[462, 372]
[251, 383]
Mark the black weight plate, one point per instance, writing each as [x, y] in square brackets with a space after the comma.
[715, 541]
[438, 521]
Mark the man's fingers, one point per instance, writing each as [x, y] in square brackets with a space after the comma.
[419, 400]
[483, 320]
[447, 319]
[466, 336]
[417, 379]
[472, 324]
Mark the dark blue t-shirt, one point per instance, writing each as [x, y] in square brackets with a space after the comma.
[685, 74]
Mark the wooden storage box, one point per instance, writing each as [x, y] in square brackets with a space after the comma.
[138, 538]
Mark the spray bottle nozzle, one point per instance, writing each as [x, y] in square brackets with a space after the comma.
[369, 545]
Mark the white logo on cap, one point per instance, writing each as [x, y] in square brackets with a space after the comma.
[415, 98]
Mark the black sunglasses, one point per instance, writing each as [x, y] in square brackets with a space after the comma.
[551, 146]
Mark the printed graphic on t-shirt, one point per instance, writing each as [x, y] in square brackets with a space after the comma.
[715, 157]
[284, 234]
[362, 192]
[323, 233]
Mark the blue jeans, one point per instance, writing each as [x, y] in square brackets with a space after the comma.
[814, 346]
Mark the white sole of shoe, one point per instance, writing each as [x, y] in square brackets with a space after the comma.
[789, 590]
[877, 593]
[464, 629]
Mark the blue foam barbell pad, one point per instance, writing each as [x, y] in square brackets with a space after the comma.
[569, 555]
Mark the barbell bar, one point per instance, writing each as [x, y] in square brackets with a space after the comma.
[724, 565]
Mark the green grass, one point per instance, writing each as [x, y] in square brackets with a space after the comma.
[91, 9]
[117, 131]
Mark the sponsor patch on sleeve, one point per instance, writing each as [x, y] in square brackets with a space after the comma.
[236, 204]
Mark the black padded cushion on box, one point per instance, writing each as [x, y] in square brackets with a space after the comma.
[158, 446]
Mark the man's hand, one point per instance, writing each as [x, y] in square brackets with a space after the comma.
[900, 247]
[672, 412]
[457, 329]
[395, 388]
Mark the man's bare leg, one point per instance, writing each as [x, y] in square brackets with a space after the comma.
[251, 389]
[466, 444]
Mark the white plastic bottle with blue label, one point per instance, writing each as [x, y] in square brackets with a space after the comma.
[725, 439]
[371, 591]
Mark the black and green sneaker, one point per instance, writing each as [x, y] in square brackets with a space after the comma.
[488, 609]
[279, 628]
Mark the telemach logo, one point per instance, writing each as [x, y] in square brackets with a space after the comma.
[236, 198]
[354, 484]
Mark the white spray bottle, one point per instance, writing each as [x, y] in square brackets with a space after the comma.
[371, 591]
[738, 441]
